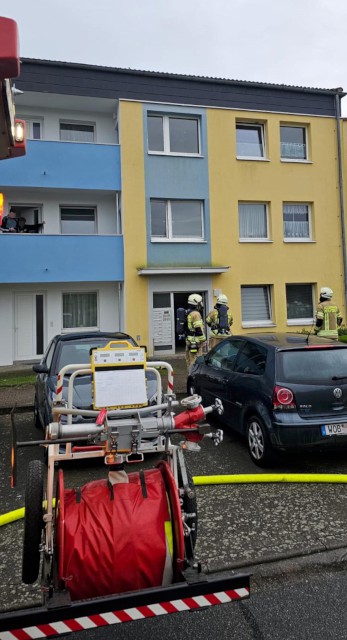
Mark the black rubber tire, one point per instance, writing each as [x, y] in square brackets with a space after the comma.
[258, 442]
[33, 522]
[189, 504]
[191, 389]
[37, 421]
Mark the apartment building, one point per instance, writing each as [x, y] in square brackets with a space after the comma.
[155, 185]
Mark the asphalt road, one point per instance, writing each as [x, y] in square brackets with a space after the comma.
[238, 524]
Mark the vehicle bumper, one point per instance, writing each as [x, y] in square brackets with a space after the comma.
[303, 435]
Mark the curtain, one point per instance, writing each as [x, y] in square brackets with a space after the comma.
[252, 221]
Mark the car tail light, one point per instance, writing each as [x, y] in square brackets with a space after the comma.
[283, 399]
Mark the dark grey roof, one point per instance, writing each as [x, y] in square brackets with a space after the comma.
[163, 74]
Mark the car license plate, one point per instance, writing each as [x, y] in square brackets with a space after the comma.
[334, 429]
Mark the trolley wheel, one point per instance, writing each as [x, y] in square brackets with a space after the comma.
[33, 523]
[189, 504]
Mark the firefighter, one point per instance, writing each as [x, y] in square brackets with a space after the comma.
[328, 316]
[219, 320]
[195, 334]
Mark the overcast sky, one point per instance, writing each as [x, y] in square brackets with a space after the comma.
[297, 42]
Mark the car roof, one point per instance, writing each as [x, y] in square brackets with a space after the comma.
[280, 341]
[85, 335]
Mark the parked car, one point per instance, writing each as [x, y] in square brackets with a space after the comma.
[74, 348]
[282, 391]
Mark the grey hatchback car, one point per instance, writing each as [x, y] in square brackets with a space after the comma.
[283, 391]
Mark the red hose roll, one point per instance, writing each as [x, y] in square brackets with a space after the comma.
[115, 538]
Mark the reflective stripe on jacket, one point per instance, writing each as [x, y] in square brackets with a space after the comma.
[195, 327]
[330, 314]
[212, 321]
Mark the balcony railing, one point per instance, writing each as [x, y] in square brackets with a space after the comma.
[64, 165]
[46, 258]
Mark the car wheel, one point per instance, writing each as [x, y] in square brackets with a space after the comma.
[259, 446]
[189, 506]
[33, 523]
[37, 420]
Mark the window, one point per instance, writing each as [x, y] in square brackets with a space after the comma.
[80, 310]
[293, 143]
[250, 140]
[173, 134]
[299, 303]
[34, 127]
[177, 220]
[252, 360]
[256, 306]
[223, 356]
[253, 221]
[77, 220]
[296, 221]
[76, 132]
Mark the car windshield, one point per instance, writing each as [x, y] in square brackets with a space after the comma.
[79, 352]
[308, 365]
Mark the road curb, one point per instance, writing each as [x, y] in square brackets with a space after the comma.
[25, 408]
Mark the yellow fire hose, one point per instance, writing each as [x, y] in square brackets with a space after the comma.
[245, 478]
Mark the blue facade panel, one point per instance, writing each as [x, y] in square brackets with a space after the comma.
[178, 177]
[44, 258]
[64, 165]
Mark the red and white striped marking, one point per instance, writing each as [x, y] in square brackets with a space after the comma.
[124, 615]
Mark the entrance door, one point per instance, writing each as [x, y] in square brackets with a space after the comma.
[165, 305]
[28, 325]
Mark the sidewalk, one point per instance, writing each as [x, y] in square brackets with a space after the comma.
[22, 396]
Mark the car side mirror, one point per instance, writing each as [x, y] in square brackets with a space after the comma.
[40, 368]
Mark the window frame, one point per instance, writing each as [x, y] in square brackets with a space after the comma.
[29, 122]
[78, 207]
[304, 320]
[259, 323]
[169, 237]
[78, 329]
[308, 238]
[166, 134]
[87, 123]
[255, 239]
[252, 125]
[296, 126]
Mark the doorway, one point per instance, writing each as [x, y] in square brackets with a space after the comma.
[165, 305]
[28, 326]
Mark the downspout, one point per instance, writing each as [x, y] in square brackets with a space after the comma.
[342, 205]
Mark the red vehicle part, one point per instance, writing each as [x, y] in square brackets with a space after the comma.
[9, 49]
[117, 538]
[188, 420]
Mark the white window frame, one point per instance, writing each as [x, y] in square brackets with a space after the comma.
[309, 211]
[166, 134]
[29, 121]
[259, 323]
[255, 239]
[78, 207]
[252, 125]
[77, 329]
[301, 321]
[170, 238]
[296, 126]
[78, 122]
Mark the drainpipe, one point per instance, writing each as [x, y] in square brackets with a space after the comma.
[342, 205]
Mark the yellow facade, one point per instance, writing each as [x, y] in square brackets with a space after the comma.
[134, 220]
[272, 181]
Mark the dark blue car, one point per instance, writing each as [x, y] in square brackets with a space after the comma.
[281, 391]
[74, 348]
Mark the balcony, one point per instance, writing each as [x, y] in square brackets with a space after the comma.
[64, 165]
[47, 258]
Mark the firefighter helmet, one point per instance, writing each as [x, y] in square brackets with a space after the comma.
[195, 300]
[222, 299]
[326, 293]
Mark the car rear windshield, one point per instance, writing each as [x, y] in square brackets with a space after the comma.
[78, 352]
[312, 365]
